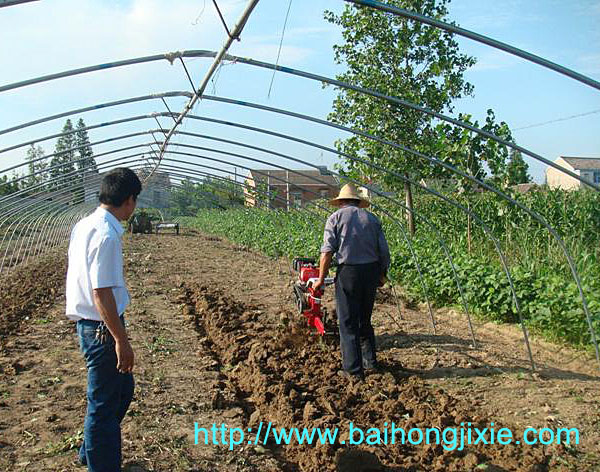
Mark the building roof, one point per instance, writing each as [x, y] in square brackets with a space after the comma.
[583, 163]
[296, 177]
[524, 188]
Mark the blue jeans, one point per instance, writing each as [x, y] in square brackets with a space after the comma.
[109, 394]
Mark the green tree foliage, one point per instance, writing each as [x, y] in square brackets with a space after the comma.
[472, 152]
[8, 186]
[86, 164]
[190, 196]
[36, 166]
[517, 169]
[85, 156]
[64, 157]
[226, 191]
[401, 58]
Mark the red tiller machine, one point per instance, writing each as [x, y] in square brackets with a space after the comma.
[308, 301]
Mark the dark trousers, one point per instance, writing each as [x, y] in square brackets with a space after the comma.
[355, 287]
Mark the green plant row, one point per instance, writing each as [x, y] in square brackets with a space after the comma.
[547, 295]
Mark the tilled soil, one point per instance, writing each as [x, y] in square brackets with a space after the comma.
[286, 378]
[217, 341]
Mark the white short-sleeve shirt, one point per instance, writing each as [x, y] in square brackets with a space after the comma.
[95, 261]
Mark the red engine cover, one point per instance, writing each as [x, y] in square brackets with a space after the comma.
[308, 273]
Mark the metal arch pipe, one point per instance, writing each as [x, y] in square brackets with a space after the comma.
[57, 218]
[328, 80]
[67, 133]
[479, 38]
[56, 234]
[422, 217]
[43, 235]
[62, 231]
[62, 199]
[18, 204]
[452, 264]
[16, 225]
[47, 233]
[93, 108]
[451, 168]
[33, 247]
[43, 185]
[235, 33]
[29, 230]
[76, 148]
[476, 218]
[24, 209]
[47, 240]
[108, 65]
[72, 173]
[63, 228]
[48, 204]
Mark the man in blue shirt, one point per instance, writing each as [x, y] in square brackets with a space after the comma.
[363, 256]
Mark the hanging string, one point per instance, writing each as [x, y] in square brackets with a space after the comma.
[197, 20]
[280, 44]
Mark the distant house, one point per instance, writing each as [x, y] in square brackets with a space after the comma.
[587, 168]
[155, 192]
[288, 189]
[524, 188]
[91, 186]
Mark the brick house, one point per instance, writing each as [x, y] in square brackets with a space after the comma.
[288, 189]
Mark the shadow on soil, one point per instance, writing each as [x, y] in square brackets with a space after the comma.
[478, 368]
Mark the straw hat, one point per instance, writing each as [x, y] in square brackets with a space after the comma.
[350, 192]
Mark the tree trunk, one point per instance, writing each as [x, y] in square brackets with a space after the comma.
[409, 205]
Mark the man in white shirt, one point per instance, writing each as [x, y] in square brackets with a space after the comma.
[96, 299]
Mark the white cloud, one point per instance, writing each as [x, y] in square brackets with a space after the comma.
[64, 34]
[493, 59]
[290, 55]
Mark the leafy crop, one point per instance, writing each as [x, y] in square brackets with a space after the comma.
[546, 292]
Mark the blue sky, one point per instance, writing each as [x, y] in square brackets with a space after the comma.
[50, 36]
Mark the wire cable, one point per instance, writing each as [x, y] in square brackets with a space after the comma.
[279, 50]
[557, 120]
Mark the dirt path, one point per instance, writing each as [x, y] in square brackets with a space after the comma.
[217, 341]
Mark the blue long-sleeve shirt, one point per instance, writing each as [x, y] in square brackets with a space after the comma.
[355, 236]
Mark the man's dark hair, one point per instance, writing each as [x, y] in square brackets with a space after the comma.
[118, 185]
